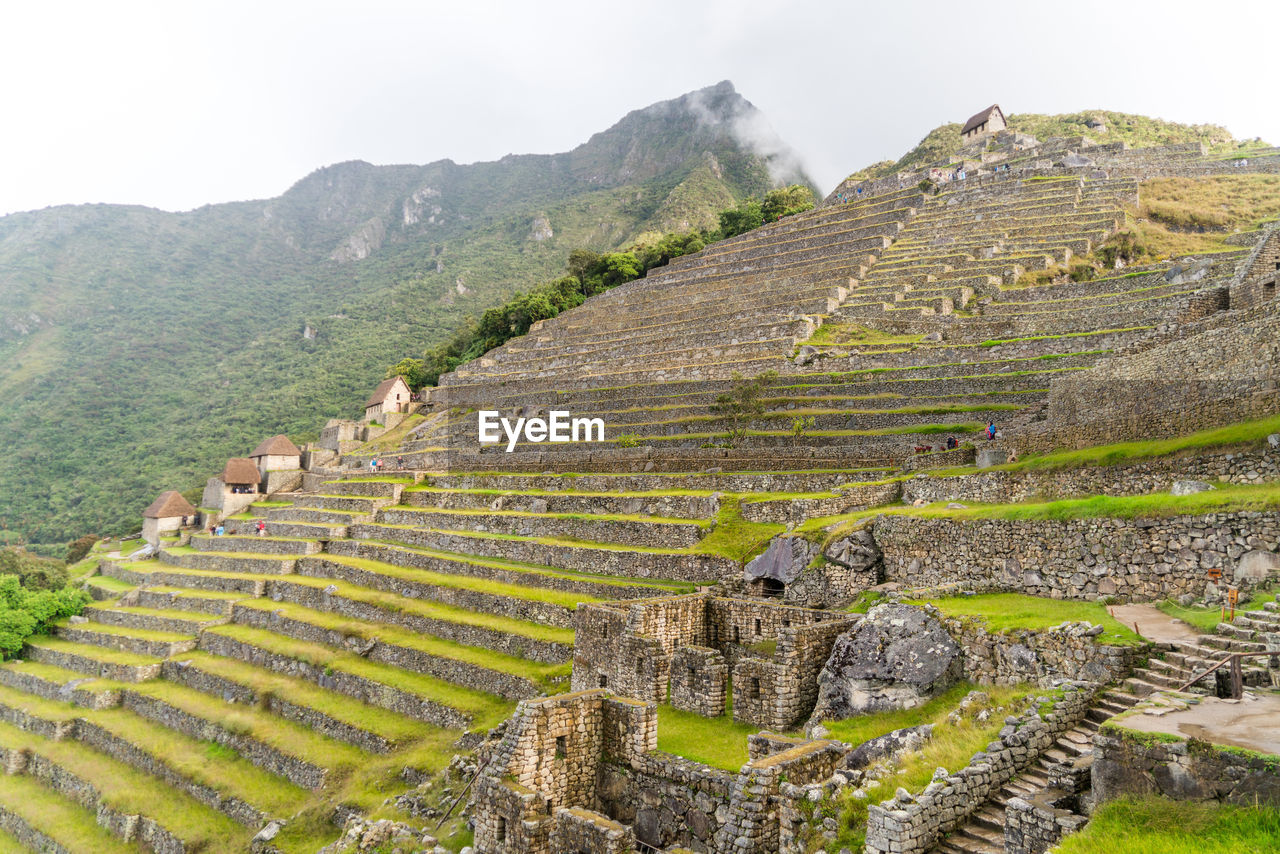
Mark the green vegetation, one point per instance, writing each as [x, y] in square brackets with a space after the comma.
[1155, 825]
[1204, 619]
[733, 536]
[719, 742]
[852, 334]
[1004, 612]
[25, 612]
[158, 353]
[952, 746]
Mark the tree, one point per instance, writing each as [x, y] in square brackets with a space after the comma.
[742, 402]
[414, 372]
[741, 219]
[786, 201]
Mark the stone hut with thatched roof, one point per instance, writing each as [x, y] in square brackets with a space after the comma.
[233, 490]
[168, 513]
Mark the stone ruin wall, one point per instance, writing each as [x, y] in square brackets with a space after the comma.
[1221, 376]
[581, 772]
[1140, 764]
[1138, 559]
[699, 645]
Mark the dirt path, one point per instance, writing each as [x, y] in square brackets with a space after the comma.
[1252, 723]
[1153, 624]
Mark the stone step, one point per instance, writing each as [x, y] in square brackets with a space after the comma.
[407, 693]
[92, 661]
[256, 564]
[369, 728]
[515, 637]
[475, 668]
[247, 544]
[305, 530]
[677, 506]
[139, 641]
[198, 581]
[154, 619]
[367, 487]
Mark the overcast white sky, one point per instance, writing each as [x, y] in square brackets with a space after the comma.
[179, 104]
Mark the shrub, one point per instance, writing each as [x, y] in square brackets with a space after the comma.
[24, 612]
[78, 549]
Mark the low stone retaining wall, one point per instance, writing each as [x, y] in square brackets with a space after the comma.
[1035, 826]
[322, 599]
[795, 510]
[374, 693]
[1044, 656]
[1138, 763]
[622, 531]
[1007, 487]
[667, 506]
[1140, 559]
[189, 674]
[295, 770]
[908, 824]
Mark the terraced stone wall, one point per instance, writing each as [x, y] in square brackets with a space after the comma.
[1139, 559]
[1258, 285]
[1045, 657]
[1221, 376]
[1138, 764]
[1008, 487]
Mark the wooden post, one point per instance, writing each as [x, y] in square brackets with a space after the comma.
[1237, 678]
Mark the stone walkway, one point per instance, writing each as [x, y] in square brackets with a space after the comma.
[1154, 624]
[1252, 723]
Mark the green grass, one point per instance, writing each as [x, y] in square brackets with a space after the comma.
[952, 747]
[547, 676]
[734, 537]
[852, 333]
[1004, 612]
[1204, 619]
[719, 742]
[68, 823]
[1155, 825]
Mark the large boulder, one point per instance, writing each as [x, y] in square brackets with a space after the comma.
[784, 559]
[888, 745]
[896, 657]
[1257, 566]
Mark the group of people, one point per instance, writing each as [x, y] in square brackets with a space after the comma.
[376, 464]
[952, 442]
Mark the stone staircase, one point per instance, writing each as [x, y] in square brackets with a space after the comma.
[1070, 756]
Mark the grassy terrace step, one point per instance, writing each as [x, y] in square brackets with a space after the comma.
[474, 667]
[93, 661]
[405, 692]
[625, 529]
[368, 487]
[315, 515]
[156, 619]
[202, 580]
[517, 637]
[326, 712]
[691, 504]
[189, 558]
[57, 683]
[457, 581]
[104, 587]
[127, 791]
[286, 749]
[247, 544]
[179, 599]
[221, 779]
[139, 641]
[49, 821]
[352, 503]
[636, 561]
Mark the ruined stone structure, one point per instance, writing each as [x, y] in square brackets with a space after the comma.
[698, 645]
[583, 770]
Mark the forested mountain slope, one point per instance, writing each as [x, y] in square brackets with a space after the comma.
[138, 348]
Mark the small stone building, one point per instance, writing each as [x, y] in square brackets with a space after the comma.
[692, 651]
[989, 120]
[1258, 282]
[279, 463]
[233, 490]
[167, 514]
[391, 395]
